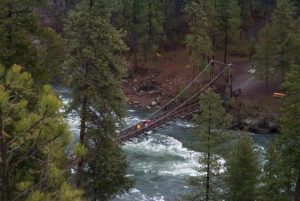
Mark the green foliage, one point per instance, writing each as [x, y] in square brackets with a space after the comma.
[143, 22]
[265, 54]
[198, 40]
[243, 171]
[210, 126]
[95, 70]
[33, 138]
[174, 24]
[289, 139]
[283, 32]
[80, 150]
[228, 20]
[23, 41]
[65, 193]
[270, 179]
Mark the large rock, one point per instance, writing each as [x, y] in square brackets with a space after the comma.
[153, 103]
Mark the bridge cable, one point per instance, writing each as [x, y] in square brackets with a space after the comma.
[200, 91]
[196, 78]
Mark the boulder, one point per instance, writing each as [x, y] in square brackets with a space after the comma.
[153, 103]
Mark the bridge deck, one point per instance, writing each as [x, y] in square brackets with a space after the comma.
[188, 107]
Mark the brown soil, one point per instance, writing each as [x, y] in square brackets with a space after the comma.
[162, 80]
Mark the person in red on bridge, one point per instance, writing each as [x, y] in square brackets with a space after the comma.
[147, 122]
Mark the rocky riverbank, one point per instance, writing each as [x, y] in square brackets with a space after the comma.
[156, 84]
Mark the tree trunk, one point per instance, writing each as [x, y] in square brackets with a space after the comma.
[267, 74]
[135, 65]
[297, 190]
[226, 34]
[83, 117]
[207, 177]
[230, 82]
[3, 165]
[207, 190]
[225, 45]
[9, 36]
[214, 46]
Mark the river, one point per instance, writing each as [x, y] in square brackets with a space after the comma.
[159, 162]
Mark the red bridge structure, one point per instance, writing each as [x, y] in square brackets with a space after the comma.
[216, 75]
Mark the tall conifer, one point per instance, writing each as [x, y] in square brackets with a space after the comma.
[95, 68]
[283, 30]
[228, 22]
[289, 139]
[198, 40]
[265, 55]
[210, 126]
[25, 42]
[243, 171]
[33, 139]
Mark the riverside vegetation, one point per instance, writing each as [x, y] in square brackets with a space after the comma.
[84, 44]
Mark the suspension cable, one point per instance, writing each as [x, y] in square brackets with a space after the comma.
[190, 84]
[202, 89]
[192, 97]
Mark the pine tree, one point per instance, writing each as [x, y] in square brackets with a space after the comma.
[271, 173]
[243, 171]
[210, 126]
[246, 11]
[153, 37]
[228, 20]
[95, 69]
[289, 139]
[174, 25]
[265, 55]
[143, 21]
[198, 40]
[23, 41]
[283, 31]
[33, 139]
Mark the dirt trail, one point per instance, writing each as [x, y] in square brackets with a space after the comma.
[170, 73]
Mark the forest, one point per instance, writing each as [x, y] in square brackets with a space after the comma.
[98, 49]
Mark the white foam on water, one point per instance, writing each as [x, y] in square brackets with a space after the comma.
[130, 121]
[136, 195]
[184, 124]
[168, 156]
[74, 121]
[259, 148]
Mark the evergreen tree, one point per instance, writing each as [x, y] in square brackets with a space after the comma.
[174, 25]
[198, 40]
[246, 11]
[265, 55]
[210, 124]
[210, 9]
[153, 36]
[95, 69]
[289, 139]
[33, 139]
[23, 41]
[143, 21]
[283, 30]
[243, 171]
[270, 179]
[228, 20]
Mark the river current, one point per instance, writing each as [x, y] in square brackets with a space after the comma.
[160, 161]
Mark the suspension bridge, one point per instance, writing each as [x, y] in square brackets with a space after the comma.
[216, 75]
